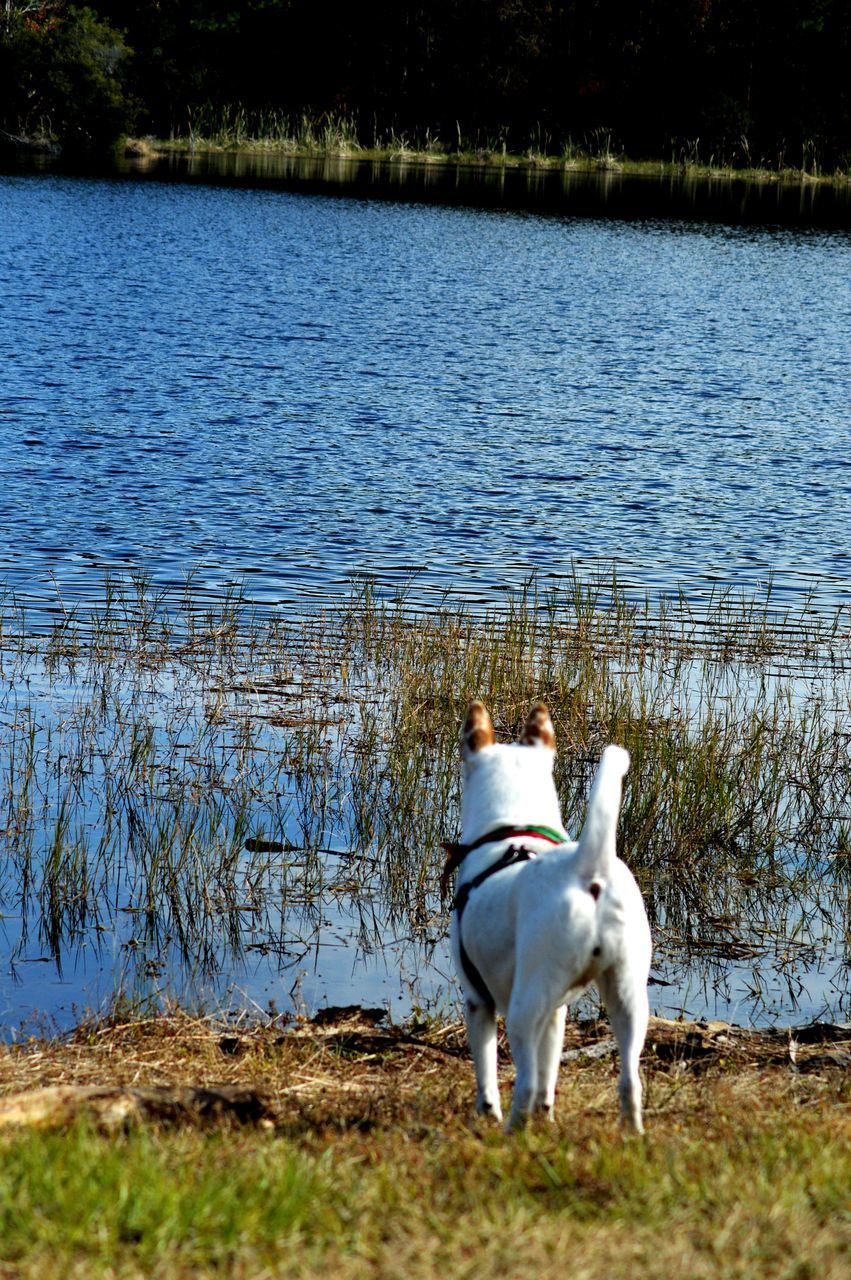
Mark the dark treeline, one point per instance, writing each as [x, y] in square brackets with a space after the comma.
[746, 82]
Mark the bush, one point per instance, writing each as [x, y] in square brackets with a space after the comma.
[62, 76]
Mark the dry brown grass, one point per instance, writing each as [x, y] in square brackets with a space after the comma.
[744, 1171]
[349, 1069]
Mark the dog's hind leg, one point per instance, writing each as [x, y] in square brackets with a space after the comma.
[549, 1059]
[627, 1006]
[481, 1032]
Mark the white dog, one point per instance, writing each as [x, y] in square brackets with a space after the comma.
[538, 918]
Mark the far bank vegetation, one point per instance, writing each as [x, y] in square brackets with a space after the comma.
[707, 83]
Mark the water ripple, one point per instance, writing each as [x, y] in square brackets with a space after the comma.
[299, 389]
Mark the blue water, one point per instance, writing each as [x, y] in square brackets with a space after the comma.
[284, 390]
[289, 389]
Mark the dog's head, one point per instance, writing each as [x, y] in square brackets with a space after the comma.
[507, 784]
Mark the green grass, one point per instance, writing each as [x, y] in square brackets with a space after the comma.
[730, 1182]
[232, 128]
[369, 1162]
[185, 1198]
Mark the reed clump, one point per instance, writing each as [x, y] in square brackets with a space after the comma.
[190, 781]
[235, 127]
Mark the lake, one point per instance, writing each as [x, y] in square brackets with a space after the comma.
[252, 384]
[287, 390]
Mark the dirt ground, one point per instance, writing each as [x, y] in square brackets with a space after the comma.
[349, 1067]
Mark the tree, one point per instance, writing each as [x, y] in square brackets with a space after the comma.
[63, 75]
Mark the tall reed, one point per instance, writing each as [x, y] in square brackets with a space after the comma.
[195, 778]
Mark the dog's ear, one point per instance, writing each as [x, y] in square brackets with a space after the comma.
[538, 730]
[477, 730]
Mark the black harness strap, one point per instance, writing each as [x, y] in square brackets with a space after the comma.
[456, 853]
[512, 855]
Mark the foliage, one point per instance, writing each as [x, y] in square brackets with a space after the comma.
[711, 80]
[62, 75]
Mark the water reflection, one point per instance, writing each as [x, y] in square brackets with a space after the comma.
[606, 191]
[212, 808]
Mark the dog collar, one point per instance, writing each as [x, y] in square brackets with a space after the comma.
[456, 853]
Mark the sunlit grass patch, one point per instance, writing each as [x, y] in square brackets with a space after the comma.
[375, 1166]
[335, 135]
[180, 1199]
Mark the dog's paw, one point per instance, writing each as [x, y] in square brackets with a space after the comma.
[489, 1110]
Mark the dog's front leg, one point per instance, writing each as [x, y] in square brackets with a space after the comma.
[481, 1032]
[524, 1026]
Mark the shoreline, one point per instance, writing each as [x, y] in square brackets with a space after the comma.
[177, 1146]
[488, 161]
[206, 1051]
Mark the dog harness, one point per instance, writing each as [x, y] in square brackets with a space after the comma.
[456, 853]
[513, 855]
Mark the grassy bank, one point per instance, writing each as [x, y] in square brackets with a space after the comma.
[233, 130]
[367, 1161]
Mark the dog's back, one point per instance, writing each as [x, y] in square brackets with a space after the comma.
[543, 927]
[567, 912]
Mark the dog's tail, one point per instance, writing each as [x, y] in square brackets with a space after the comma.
[596, 851]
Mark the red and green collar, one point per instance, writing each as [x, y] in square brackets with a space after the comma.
[456, 853]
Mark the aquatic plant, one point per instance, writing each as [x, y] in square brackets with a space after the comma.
[186, 780]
